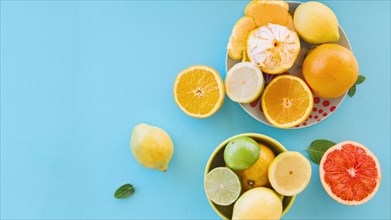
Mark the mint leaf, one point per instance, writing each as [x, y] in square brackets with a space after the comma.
[352, 91]
[124, 191]
[317, 149]
[360, 79]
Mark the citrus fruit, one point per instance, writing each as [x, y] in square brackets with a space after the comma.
[238, 39]
[151, 146]
[199, 91]
[330, 70]
[244, 82]
[222, 186]
[287, 101]
[258, 203]
[241, 153]
[316, 23]
[256, 175]
[265, 12]
[289, 173]
[350, 173]
[274, 48]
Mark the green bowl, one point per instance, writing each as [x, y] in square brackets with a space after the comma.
[217, 160]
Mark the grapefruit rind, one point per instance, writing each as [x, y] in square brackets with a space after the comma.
[327, 187]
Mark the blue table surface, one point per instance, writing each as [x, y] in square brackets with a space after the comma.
[76, 76]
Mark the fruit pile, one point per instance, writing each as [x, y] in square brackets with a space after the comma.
[268, 38]
[255, 180]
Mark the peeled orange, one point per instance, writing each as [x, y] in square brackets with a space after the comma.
[274, 48]
[199, 91]
[287, 101]
[238, 39]
[330, 70]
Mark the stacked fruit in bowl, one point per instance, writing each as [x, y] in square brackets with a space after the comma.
[252, 176]
[283, 62]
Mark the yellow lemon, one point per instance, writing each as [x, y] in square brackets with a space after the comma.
[151, 146]
[316, 23]
[258, 203]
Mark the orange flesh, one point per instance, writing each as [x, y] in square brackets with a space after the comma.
[350, 173]
[198, 91]
[287, 101]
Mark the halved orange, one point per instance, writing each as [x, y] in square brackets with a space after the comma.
[199, 91]
[287, 101]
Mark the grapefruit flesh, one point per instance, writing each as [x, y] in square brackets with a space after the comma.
[350, 173]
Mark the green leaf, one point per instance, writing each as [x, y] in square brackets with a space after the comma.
[124, 191]
[360, 79]
[352, 91]
[317, 149]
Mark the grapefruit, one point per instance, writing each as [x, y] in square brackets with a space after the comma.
[350, 173]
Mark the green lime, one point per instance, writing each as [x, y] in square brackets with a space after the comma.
[222, 186]
[241, 153]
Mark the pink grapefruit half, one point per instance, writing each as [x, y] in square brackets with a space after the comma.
[350, 173]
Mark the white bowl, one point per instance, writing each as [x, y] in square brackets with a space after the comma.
[323, 108]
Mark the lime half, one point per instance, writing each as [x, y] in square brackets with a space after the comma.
[244, 82]
[222, 186]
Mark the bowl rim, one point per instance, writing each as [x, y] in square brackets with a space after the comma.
[275, 143]
[349, 46]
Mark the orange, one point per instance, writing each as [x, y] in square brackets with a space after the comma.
[199, 91]
[275, 12]
[256, 175]
[274, 48]
[330, 70]
[287, 101]
[238, 39]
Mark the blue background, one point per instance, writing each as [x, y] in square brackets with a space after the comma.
[76, 76]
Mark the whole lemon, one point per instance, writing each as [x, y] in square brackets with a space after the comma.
[316, 23]
[258, 203]
[330, 70]
[256, 175]
[151, 146]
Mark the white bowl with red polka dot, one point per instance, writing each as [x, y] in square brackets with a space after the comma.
[323, 108]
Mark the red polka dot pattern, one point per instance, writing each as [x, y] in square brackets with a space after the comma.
[321, 110]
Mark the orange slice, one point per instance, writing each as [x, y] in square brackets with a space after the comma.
[199, 91]
[274, 48]
[238, 39]
[275, 12]
[287, 101]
